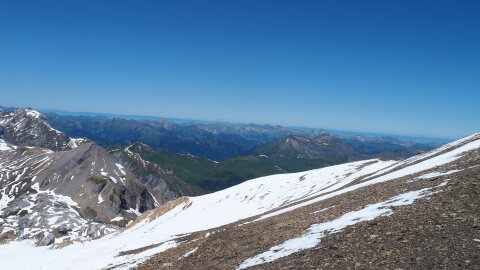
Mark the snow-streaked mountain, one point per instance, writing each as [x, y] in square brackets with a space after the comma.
[323, 146]
[52, 182]
[280, 220]
[26, 127]
[162, 182]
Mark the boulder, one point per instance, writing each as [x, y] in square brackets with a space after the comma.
[47, 240]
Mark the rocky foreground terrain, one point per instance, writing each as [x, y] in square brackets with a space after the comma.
[419, 213]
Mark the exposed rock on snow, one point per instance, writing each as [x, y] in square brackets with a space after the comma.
[47, 240]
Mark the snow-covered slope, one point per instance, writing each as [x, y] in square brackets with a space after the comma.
[255, 202]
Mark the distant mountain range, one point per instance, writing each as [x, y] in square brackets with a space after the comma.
[224, 123]
[160, 134]
[212, 141]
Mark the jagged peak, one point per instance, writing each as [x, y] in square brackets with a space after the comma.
[140, 145]
[25, 114]
[30, 113]
[33, 113]
[288, 138]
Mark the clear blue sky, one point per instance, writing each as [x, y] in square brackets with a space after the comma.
[398, 67]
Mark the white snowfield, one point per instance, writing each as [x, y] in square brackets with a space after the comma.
[249, 199]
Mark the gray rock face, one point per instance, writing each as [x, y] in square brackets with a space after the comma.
[150, 174]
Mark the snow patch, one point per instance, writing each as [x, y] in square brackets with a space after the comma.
[134, 211]
[188, 253]
[322, 210]
[4, 146]
[33, 113]
[113, 179]
[121, 168]
[437, 174]
[116, 219]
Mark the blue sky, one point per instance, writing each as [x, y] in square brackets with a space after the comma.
[397, 67]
